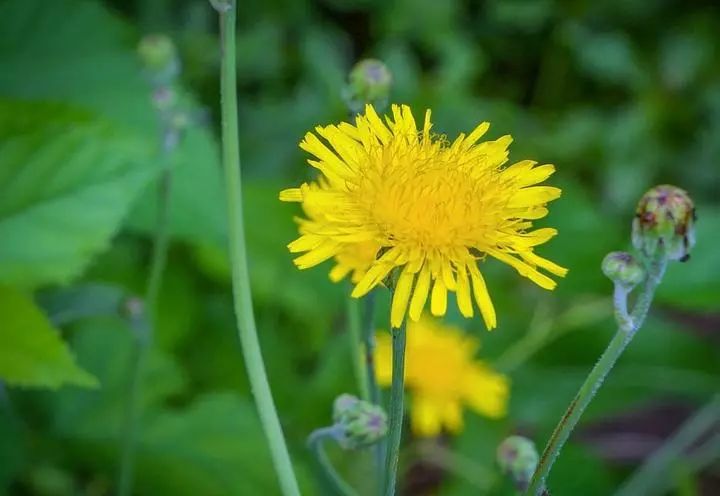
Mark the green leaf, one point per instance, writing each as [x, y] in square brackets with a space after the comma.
[32, 352]
[215, 446]
[66, 181]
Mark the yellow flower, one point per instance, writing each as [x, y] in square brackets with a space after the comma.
[442, 376]
[430, 208]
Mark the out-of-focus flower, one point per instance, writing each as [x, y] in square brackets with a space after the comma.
[443, 376]
[428, 208]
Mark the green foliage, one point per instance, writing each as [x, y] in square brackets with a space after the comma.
[619, 95]
[32, 354]
[66, 181]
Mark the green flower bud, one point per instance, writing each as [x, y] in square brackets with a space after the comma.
[518, 459]
[623, 269]
[159, 56]
[665, 217]
[360, 423]
[369, 82]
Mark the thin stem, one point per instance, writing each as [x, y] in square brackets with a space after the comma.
[369, 346]
[242, 297]
[649, 478]
[396, 409]
[595, 379]
[334, 481]
[143, 335]
[372, 385]
[354, 324]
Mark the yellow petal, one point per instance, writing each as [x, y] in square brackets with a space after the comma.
[525, 270]
[464, 299]
[401, 295]
[425, 418]
[482, 297]
[438, 303]
[546, 264]
[422, 288]
[291, 195]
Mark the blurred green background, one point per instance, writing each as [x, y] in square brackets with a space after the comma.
[620, 95]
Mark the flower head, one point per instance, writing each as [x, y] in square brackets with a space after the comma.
[665, 218]
[412, 201]
[443, 376]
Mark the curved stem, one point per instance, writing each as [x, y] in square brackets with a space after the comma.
[651, 475]
[595, 379]
[335, 482]
[396, 409]
[242, 298]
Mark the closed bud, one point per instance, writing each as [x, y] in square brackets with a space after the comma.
[159, 56]
[623, 269]
[665, 219]
[518, 459]
[369, 82]
[359, 423]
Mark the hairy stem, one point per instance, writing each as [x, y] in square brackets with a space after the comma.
[396, 409]
[595, 379]
[242, 297]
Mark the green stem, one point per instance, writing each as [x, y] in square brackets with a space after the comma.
[335, 482]
[353, 317]
[595, 379]
[242, 297]
[372, 385]
[143, 333]
[396, 409]
[369, 346]
[649, 478]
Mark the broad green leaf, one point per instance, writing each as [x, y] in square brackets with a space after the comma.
[73, 51]
[32, 352]
[66, 181]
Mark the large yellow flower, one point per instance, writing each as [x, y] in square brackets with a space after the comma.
[442, 376]
[418, 203]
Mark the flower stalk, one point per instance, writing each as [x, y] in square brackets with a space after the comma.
[242, 297]
[396, 410]
[597, 376]
[315, 442]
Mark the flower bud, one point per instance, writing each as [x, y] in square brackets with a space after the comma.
[518, 459]
[665, 218]
[369, 82]
[361, 423]
[159, 56]
[623, 269]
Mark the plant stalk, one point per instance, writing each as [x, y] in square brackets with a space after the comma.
[354, 324]
[335, 482]
[595, 379]
[242, 297]
[143, 331]
[397, 395]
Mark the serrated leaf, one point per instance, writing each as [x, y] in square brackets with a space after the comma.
[32, 352]
[66, 181]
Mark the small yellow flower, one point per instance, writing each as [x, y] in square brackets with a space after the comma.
[391, 196]
[442, 377]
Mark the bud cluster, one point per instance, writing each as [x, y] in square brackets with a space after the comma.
[359, 423]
